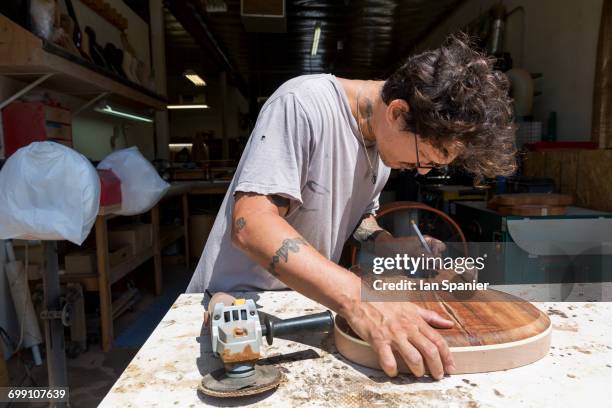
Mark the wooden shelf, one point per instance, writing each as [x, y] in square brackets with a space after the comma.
[125, 301]
[90, 280]
[119, 271]
[169, 234]
[27, 57]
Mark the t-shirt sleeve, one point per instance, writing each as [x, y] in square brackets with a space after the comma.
[276, 158]
[374, 205]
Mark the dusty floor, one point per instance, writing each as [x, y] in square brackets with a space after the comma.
[93, 373]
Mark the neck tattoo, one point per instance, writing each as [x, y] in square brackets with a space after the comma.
[365, 148]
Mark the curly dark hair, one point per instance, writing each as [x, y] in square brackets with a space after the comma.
[455, 95]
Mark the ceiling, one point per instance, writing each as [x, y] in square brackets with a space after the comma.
[359, 39]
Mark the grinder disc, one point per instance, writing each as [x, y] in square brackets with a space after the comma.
[218, 384]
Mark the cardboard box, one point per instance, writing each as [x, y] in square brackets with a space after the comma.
[27, 122]
[58, 115]
[56, 131]
[85, 261]
[199, 228]
[80, 262]
[138, 236]
[110, 188]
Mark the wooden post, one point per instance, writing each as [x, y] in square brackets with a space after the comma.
[157, 261]
[104, 284]
[185, 198]
[158, 65]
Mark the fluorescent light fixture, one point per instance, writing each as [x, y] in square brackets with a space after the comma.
[126, 115]
[180, 145]
[215, 6]
[195, 78]
[315, 40]
[197, 106]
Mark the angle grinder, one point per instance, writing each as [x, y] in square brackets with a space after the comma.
[237, 333]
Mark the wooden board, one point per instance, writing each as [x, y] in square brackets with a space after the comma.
[532, 210]
[542, 199]
[493, 331]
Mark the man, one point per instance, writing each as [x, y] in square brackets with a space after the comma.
[318, 157]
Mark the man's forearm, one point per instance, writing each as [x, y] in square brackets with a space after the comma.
[275, 245]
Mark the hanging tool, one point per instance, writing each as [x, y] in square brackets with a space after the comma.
[17, 275]
[237, 334]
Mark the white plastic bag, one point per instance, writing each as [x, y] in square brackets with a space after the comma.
[141, 186]
[50, 192]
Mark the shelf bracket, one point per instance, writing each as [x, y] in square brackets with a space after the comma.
[90, 103]
[25, 90]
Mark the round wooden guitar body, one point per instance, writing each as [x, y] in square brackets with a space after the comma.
[493, 331]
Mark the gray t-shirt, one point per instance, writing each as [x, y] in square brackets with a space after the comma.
[305, 146]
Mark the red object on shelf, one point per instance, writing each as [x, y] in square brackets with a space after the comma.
[27, 122]
[110, 188]
[543, 146]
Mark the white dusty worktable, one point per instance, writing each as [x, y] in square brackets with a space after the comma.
[170, 365]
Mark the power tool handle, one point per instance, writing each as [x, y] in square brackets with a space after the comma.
[318, 322]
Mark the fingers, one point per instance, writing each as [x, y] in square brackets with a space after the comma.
[386, 359]
[443, 350]
[411, 357]
[206, 317]
[436, 246]
[435, 320]
[429, 352]
[406, 331]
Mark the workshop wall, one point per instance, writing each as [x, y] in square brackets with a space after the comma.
[559, 41]
[583, 174]
[93, 136]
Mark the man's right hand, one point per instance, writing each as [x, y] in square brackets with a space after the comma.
[405, 329]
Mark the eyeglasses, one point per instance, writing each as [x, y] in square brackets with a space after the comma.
[442, 168]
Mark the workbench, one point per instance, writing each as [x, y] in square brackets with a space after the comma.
[170, 365]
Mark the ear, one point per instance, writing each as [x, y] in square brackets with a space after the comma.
[396, 110]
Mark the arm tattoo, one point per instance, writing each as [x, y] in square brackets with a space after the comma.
[240, 224]
[369, 112]
[366, 229]
[289, 245]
